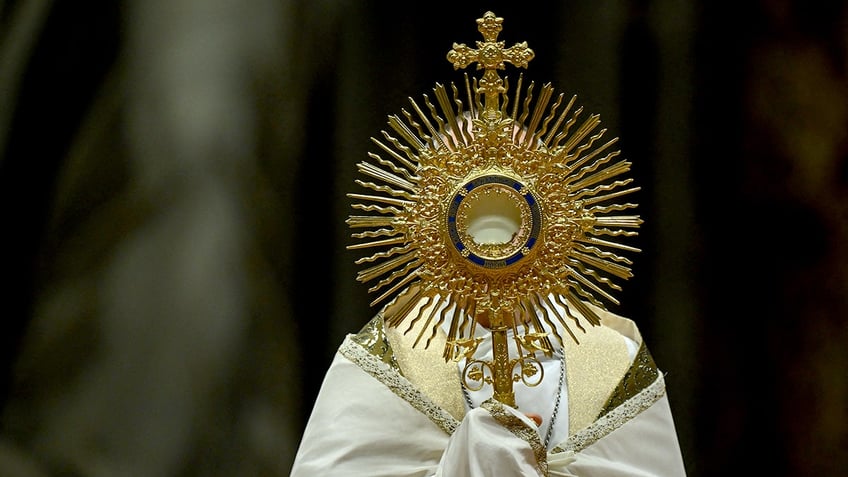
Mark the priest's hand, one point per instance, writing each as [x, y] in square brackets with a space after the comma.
[535, 417]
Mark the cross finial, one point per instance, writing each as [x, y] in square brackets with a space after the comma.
[490, 56]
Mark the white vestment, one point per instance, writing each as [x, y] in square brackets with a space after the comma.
[389, 409]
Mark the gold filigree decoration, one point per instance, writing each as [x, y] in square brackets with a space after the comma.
[541, 171]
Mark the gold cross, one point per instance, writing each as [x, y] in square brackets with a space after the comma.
[491, 56]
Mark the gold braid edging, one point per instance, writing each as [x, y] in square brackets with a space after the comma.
[398, 384]
[616, 418]
[518, 427]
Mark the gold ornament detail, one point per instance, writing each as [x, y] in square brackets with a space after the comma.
[499, 210]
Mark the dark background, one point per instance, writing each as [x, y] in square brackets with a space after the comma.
[172, 190]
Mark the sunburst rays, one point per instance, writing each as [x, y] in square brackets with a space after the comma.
[436, 159]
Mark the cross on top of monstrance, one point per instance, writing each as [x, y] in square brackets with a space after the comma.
[490, 56]
[478, 215]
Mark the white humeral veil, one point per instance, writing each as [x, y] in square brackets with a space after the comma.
[370, 419]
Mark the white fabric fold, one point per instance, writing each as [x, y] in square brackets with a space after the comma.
[482, 446]
[558, 464]
[371, 421]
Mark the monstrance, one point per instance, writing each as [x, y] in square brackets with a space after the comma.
[501, 210]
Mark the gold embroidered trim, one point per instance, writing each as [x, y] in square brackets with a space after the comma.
[373, 338]
[515, 425]
[391, 377]
[426, 367]
[616, 418]
[641, 374]
[593, 369]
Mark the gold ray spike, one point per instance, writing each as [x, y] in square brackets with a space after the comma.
[494, 205]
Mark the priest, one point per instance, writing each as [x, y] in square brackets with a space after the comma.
[387, 408]
[497, 241]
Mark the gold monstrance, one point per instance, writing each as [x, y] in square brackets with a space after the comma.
[499, 211]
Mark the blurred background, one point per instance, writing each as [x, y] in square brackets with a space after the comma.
[172, 186]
